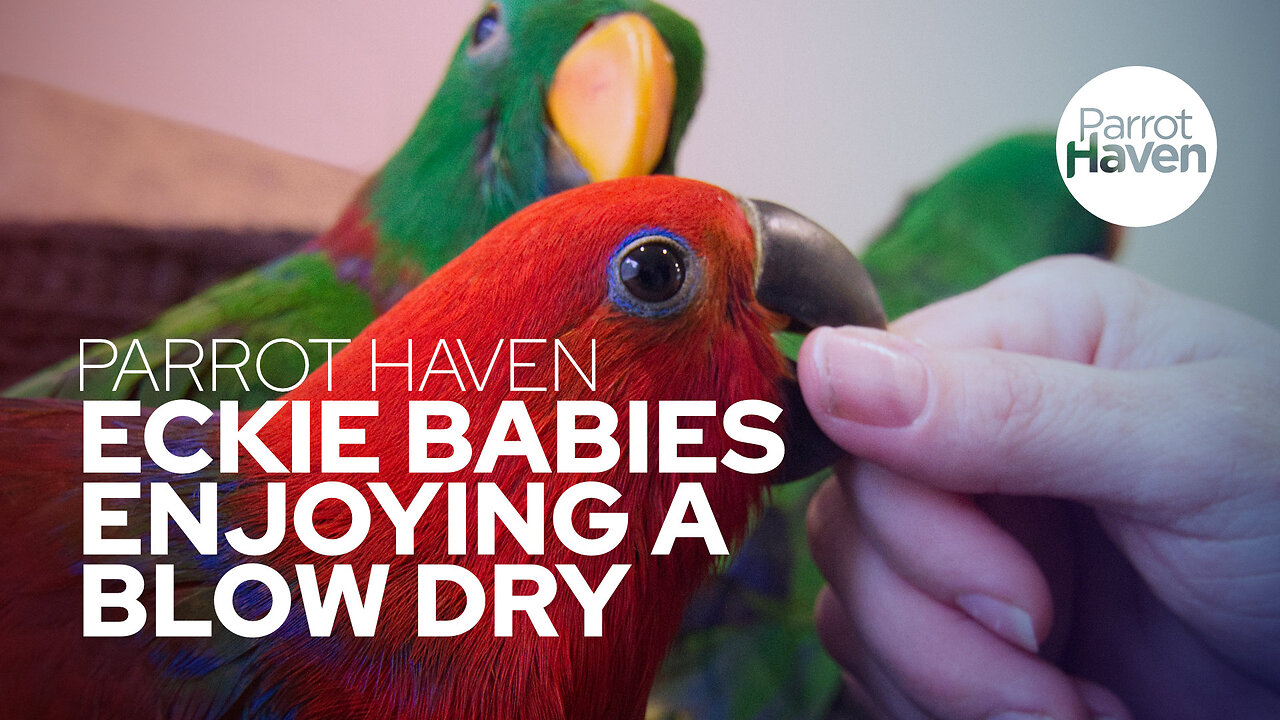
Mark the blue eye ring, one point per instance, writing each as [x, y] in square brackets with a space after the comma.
[653, 274]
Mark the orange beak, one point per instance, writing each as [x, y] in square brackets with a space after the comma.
[612, 96]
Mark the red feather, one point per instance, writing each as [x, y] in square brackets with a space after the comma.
[541, 274]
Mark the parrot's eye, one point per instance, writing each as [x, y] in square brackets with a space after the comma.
[652, 276]
[653, 272]
[487, 30]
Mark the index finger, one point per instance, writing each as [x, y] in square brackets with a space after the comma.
[1085, 310]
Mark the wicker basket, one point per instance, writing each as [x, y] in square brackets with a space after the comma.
[63, 282]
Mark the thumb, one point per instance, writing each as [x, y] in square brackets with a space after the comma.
[993, 421]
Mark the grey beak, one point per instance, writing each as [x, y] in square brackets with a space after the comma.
[812, 278]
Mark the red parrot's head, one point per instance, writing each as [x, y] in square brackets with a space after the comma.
[679, 284]
[652, 302]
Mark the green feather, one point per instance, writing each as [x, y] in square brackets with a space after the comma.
[492, 108]
[1002, 208]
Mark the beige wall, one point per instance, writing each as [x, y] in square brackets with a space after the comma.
[331, 80]
[835, 107]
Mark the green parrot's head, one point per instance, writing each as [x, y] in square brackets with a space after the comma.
[541, 96]
[606, 87]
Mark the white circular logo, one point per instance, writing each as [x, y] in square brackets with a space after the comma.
[1136, 146]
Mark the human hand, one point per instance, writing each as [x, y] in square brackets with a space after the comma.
[1066, 503]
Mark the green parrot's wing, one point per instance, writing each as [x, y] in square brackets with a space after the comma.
[749, 649]
[297, 297]
[1004, 207]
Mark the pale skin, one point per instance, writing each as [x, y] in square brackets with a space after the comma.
[1066, 503]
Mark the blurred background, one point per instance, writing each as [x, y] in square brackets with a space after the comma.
[836, 108]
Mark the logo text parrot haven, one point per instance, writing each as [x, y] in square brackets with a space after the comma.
[1122, 157]
[1136, 146]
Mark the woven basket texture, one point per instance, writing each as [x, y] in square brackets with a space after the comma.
[63, 282]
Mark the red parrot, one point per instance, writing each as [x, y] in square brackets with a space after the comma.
[678, 284]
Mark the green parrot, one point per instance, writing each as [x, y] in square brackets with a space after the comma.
[541, 96]
[1002, 208]
[749, 649]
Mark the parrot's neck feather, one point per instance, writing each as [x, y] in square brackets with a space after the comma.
[446, 186]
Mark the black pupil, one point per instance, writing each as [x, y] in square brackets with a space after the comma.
[486, 26]
[653, 272]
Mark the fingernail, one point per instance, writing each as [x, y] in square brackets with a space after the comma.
[870, 381]
[1019, 716]
[1009, 622]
